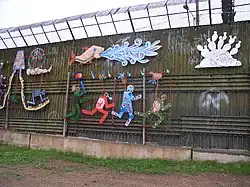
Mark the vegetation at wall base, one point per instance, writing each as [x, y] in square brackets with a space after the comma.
[17, 156]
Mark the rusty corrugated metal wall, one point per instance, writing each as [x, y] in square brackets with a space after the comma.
[190, 125]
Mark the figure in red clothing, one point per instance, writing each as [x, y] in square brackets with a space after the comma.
[101, 102]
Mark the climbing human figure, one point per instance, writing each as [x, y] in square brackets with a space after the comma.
[76, 103]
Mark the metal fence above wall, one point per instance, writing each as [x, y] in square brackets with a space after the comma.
[152, 16]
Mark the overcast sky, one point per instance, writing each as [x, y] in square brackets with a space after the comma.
[21, 12]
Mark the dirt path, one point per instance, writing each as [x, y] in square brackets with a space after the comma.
[64, 174]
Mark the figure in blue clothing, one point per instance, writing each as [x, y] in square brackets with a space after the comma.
[126, 106]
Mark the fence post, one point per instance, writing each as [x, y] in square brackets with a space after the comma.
[7, 113]
[66, 106]
[144, 107]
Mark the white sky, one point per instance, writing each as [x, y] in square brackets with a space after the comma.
[22, 12]
[15, 13]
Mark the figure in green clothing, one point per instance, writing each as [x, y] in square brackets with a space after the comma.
[158, 113]
[76, 103]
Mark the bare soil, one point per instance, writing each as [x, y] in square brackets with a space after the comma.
[66, 174]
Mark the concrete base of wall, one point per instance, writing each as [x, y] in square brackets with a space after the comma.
[219, 157]
[18, 139]
[100, 148]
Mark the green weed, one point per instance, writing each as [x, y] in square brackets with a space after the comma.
[15, 156]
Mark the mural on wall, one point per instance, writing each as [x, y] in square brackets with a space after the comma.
[213, 98]
[131, 54]
[79, 76]
[1, 79]
[77, 100]
[158, 113]
[40, 94]
[89, 54]
[52, 118]
[102, 76]
[14, 98]
[193, 60]
[19, 65]
[122, 53]
[72, 57]
[122, 40]
[155, 77]
[100, 104]
[92, 75]
[36, 61]
[124, 77]
[219, 52]
[126, 106]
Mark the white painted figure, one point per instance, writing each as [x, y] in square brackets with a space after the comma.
[36, 61]
[213, 98]
[218, 52]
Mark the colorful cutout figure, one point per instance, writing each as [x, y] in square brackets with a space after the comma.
[76, 103]
[102, 76]
[89, 55]
[19, 65]
[101, 103]
[124, 54]
[72, 57]
[14, 98]
[155, 77]
[38, 93]
[158, 113]
[134, 53]
[79, 76]
[124, 77]
[126, 106]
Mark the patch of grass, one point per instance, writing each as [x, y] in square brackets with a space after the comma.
[38, 158]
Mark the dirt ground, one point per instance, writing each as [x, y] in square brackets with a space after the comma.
[65, 174]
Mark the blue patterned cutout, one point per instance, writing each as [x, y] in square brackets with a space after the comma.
[134, 53]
